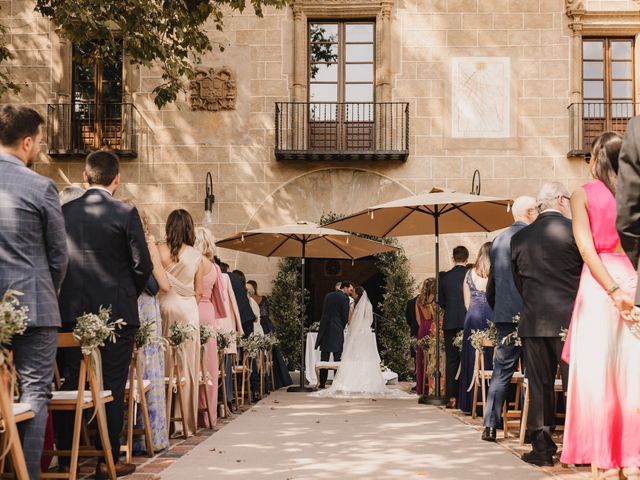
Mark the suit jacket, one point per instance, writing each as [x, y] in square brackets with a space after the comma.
[627, 200]
[247, 317]
[33, 249]
[335, 315]
[546, 270]
[451, 297]
[502, 294]
[109, 259]
[410, 314]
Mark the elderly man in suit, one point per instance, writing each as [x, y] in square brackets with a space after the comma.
[627, 199]
[546, 269]
[451, 300]
[335, 315]
[506, 302]
[109, 266]
[33, 260]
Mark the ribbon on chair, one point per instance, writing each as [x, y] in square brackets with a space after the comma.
[94, 365]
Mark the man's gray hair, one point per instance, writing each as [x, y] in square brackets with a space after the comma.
[521, 206]
[549, 193]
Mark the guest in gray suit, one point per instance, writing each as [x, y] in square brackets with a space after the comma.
[504, 298]
[33, 260]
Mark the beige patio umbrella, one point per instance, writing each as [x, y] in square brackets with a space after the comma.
[434, 213]
[303, 240]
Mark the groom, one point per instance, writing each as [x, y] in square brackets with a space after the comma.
[335, 314]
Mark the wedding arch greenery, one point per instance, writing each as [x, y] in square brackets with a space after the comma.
[393, 332]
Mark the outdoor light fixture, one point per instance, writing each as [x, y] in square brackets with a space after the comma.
[209, 200]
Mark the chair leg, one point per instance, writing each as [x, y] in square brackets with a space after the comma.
[207, 403]
[484, 397]
[474, 403]
[525, 414]
[235, 387]
[223, 381]
[11, 430]
[505, 419]
[145, 413]
[185, 433]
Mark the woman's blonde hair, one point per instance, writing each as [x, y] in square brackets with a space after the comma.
[144, 218]
[206, 242]
[483, 262]
[427, 288]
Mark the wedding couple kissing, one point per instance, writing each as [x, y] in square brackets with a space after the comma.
[359, 374]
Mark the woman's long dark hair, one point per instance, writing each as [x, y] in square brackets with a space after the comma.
[180, 230]
[604, 152]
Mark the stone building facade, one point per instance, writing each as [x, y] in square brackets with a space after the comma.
[487, 85]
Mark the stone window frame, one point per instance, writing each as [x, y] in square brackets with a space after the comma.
[584, 23]
[304, 10]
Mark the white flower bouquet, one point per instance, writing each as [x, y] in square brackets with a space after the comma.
[146, 335]
[268, 341]
[563, 334]
[482, 338]
[92, 330]
[181, 333]
[458, 339]
[13, 317]
[207, 333]
[224, 339]
[251, 345]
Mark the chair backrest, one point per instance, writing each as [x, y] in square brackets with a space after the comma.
[67, 340]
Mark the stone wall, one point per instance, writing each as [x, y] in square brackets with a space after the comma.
[252, 189]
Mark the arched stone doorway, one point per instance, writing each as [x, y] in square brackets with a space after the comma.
[307, 197]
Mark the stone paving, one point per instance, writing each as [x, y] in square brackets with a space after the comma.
[293, 436]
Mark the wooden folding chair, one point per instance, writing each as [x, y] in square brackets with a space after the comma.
[203, 382]
[482, 379]
[132, 396]
[10, 415]
[174, 383]
[78, 401]
[270, 369]
[244, 370]
[558, 390]
[512, 411]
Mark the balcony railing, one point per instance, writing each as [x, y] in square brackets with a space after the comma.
[79, 128]
[322, 130]
[589, 119]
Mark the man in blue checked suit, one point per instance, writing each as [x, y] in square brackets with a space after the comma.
[33, 260]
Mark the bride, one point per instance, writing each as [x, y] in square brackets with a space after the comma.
[359, 374]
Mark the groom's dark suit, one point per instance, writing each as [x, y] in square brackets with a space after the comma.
[546, 269]
[109, 265]
[335, 314]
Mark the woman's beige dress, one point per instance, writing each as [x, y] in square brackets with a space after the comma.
[179, 306]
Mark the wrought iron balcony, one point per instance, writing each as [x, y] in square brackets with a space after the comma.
[345, 131]
[75, 129]
[589, 119]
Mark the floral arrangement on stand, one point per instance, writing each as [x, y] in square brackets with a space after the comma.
[252, 345]
[181, 333]
[314, 327]
[13, 317]
[458, 339]
[224, 339]
[146, 335]
[268, 341]
[207, 333]
[481, 338]
[93, 330]
[515, 335]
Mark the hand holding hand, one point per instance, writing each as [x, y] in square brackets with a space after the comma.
[624, 303]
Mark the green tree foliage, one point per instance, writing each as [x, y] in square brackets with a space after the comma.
[168, 34]
[284, 304]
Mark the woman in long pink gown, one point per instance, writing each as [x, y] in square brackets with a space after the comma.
[603, 404]
[424, 316]
[211, 308]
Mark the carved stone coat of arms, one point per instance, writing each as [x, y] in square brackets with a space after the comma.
[213, 90]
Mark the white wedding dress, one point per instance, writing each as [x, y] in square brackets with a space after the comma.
[359, 374]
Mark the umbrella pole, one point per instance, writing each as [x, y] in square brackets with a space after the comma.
[435, 398]
[301, 387]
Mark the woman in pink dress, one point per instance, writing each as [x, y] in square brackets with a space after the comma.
[603, 403]
[424, 316]
[211, 308]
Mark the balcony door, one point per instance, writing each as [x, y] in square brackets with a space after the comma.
[96, 110]
[607, 86]
[341, 85]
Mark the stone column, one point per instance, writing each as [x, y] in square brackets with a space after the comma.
[299, 55]
[575, 87]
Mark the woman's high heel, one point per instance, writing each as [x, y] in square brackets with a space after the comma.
[631, 473]
[612, 473]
